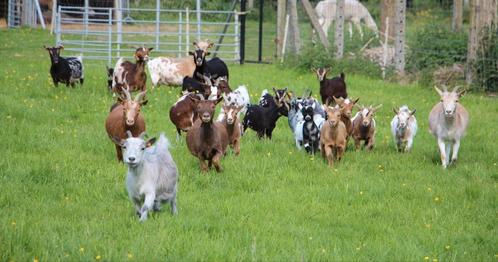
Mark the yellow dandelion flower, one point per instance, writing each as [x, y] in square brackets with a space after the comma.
[82, 249]
[130, 255]
[361, 192]
[447, 247]
[290, 152]
[380, 166]
[358, 248]
[13, 223]
[436, 199]
[494, 164]
[53, 110]
[426, 258]
[36, 260]
[428, 225]
[434, 260]
[66, 198]
[9, 117]
[98, 257]
[323, 250]
[429, 189]
[403, 184]
[335, 170]
[310, 238]
[268, 154]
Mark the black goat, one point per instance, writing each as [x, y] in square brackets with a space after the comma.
[67, 70]
[263, 119]
[190, 84]
[214, 67]
[311, 132]
[280, 94]
[110, 73]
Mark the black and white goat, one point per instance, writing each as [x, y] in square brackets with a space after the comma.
[263, 119]
[67, 70]
[213, 67]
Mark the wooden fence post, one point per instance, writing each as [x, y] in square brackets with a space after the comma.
[457, 20]
[314, 22]
[295, 43]
[280, 26]
[339, 29]
[399, 44]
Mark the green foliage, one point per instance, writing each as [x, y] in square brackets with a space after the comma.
[486, 65]
[436, 45]
[63, 194]
[317, 56]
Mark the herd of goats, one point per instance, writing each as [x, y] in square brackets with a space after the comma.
[325, 127]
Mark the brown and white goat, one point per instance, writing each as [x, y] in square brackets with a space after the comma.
[346, 106]
[364, 127]
[207, 140]
[333, 136]
[132, 74]
[232, 125]
[448, 121]
[182, 114]
[125, 116]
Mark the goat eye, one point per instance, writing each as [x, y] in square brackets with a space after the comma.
[124, 147]
[143, 148]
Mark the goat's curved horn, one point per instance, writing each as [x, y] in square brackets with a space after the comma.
[129, 134]
[195, 44]
[445, 88]
[142, 135]
[456, 89]
[126, 92]
[438, 91]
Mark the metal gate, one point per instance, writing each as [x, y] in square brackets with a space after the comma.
[109, 33]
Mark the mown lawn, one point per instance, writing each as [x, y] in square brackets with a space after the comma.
[63, 197]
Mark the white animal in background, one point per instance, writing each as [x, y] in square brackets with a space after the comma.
[152, 174]
[170, 70]
[404, 128]
[448, 121]
[354, 13]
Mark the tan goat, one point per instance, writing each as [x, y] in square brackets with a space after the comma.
[232, 126]
[333, 136]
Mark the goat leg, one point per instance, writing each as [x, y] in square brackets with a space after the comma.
[442, 152]
[370, 144]
[456, 146]
[236, 147]
[216, 162]
[357, 143]
[203, 165]
[148, 204]
[330, 157]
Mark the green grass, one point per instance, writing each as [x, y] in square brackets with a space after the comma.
[63, 197]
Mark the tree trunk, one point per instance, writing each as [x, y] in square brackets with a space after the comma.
[482, 14]
[339, 29]
[399, 44]
[294, 35]
[388, 9]
[457, 21]
[314, 22]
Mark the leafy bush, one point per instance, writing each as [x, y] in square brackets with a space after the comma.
[436, 45]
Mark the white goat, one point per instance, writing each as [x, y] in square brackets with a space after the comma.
[170, 70]
[239, 97]
[448, 121]
[404, 128]
[354, 13]
[318, 119]
[152, 173]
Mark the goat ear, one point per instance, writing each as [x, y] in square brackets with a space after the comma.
[194, 98]
[327, 101]
[336, 100]
[377, 108]
[208, 53]
[44, 46]
[118, 141]
[210, 45]
[461, 93]
[150, 142]
[356, 101]
[150, 49]
[191, 53]
[129, 134]
[274, 90]
[413, 112]
[144, 102]
[438, 91]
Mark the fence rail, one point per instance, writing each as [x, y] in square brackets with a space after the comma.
[103, 34]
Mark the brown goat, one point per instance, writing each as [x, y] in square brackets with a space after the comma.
[333, 136]
[125, 116]
[182, 114]
[346, 106]
[232, 125]
[364, 127]
[207, 140]
[132, 74]
[331, 87]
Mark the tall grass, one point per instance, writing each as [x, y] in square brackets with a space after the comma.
[63, 197]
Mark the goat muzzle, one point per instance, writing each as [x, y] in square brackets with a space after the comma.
[130, 122]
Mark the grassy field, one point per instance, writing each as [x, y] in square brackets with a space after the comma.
[63, 197]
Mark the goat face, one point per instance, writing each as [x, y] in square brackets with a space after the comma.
[199, 56]
[449, 100]
[231, 113]
[347, 106]
[333, 115]
[142, 54]
[307, 112]
[131, 108]
[280, 101]
[321, 73]
[134, 149]
[367, 114]
[54, 53]
[403, 115]
[205, 109]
